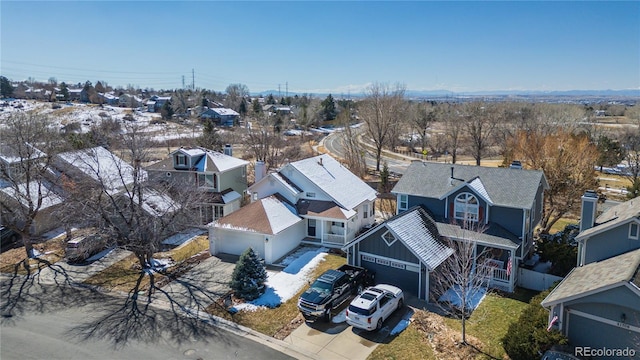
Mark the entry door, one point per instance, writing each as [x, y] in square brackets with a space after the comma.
[311, 227]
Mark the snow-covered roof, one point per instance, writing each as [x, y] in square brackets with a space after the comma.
[269, 216]
[224, 111]
[103, 166]
[10, 155]
[230, 196]
[335, 180]
[49, 198]
[214, 161]
[156, 203]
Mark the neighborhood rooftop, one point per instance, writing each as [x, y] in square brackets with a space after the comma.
[596, 276]
[514, 188]
[265, 216]
[336, 180]
[614, 215]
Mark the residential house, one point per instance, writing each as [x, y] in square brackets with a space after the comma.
[325, 204]
[221, 116]
[97, 165]
[614, 232]
[109, 99]
[221, 177]
[156, 103]
[25, 195]
[598, 304]
[603, 291]
[12, 161]
[128, 100]
[78, 95]
[503, 204]
[273, 109]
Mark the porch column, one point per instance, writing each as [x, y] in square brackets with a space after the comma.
[513, 270]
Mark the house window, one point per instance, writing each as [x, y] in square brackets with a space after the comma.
[218, 211]
[207, 180]
[466, 207]
[311, 194]
[633, 230]
[336, 223]
[388, 238]
[366, 211]
[181, 160]
[403, 202]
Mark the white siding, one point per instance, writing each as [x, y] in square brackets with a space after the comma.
[235, 242]
[279, 245]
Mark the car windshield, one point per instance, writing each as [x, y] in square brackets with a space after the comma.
[361, 311]
[321, 286]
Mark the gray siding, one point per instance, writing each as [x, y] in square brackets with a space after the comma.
[609, 243]
[587, 214]
[508, 218]
[539, 206]
[233, 179]
[374, 244]
[586, 332]
[435, 206]
[620, 296]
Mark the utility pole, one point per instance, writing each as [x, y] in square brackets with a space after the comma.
[279, 93]
[193, 79]
[182, 82]
[287, 89]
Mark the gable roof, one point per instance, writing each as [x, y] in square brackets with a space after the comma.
[346, 189]
[493, 235]
[613, 217]
[224, 111]
[102, 166]
[596, 277]
[507, 187]
[210, 161]
[10, 155]
[268, 216]
[326, 209]
[418, 232]
[19, 194]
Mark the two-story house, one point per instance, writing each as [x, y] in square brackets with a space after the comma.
[315, 200]
[221, 178]
[603, 291]
[221, 116]
[495, 208]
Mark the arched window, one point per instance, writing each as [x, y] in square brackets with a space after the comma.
[466, 207]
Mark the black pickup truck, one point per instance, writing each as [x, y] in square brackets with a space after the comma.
[332, 289]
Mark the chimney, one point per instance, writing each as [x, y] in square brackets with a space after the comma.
[452, 173]
[260, 170]
[588, 212]
[320, 162]
[228, 149]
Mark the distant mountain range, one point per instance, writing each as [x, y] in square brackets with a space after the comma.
[447, 93]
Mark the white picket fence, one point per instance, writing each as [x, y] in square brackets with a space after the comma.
[534, 280]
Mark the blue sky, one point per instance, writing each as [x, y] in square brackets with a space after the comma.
[337, 47]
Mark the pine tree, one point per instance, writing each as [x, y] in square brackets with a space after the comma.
[64, 90]
[249, 276]
[329, 110]
[6, 89]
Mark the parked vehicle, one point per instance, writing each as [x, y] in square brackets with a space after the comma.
[371, 308]
[81, 248]
[331, 290]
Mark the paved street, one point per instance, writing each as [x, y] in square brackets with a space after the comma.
[59, 334]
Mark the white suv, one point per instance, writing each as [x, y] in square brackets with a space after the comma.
[371, 308]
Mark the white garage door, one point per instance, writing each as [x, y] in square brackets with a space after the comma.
[236, 243]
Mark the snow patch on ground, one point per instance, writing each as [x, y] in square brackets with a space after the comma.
[100, 255]
[283, 285]
[183, 237]
[402, 324]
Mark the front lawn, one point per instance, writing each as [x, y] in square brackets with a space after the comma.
[277, 322]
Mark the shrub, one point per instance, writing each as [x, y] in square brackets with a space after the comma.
[249, 276]
[528, 337]
[561, 249]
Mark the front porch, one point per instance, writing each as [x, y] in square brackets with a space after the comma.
[501, 267]
[329, 232]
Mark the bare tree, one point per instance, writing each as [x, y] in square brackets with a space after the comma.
[423, 116]
[381, 111]
[631, 147]
[235, 94]
[119, 201]
[353, 150]
[463, 276]
[29, 142]
[567, 161]
[454, 123]
[480, 121]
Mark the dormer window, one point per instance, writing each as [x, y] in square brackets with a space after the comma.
[634, 229]
[311, 194]
[181, 160]
[466, 207]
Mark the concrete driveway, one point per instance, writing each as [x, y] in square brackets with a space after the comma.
[340, 341]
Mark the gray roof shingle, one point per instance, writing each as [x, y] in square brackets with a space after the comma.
[515, 188]
[594, 276]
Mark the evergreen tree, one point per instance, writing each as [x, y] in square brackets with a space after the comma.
[242, 109]
[166, 111]
[329, 111]
[271, 100]
[610, 152]
[257, 108]
[249, 276]
[384, 178]
[64, 90]
[528, 337]
[6, 89]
